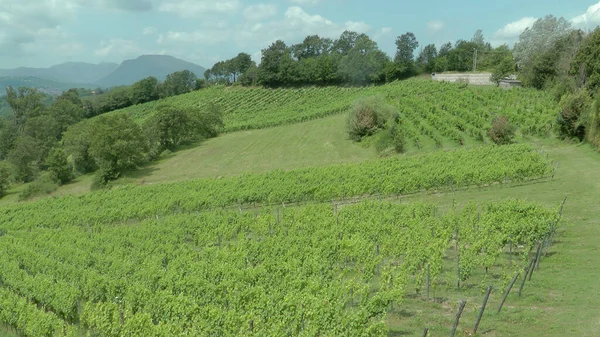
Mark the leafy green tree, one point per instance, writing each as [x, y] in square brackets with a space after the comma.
[270, 73]
[364, 64]
[179, 82]
[505, 68]
[313, 46]
[534, 44]
[427, 58]
[5, 177]
[24, 103]
[346, 42]
[167, 128]
[251, 76]
[461, 56]
[71, 95]
[58, 164]
[118, 144]
[405, 48]
[8, 136]
[45, 130]
[76, 142]
[586, 62]
[66, 113]
[25, 157]
[143, 91]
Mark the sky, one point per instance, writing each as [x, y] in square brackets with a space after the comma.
[42, 33]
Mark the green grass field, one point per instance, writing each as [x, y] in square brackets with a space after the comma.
[561, 298]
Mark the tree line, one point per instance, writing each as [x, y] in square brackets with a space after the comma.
[49, 145]
[146, 90]
[355, 59]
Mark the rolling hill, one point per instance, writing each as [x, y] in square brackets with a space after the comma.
[69, 72]
[159, 66]
[46, 86]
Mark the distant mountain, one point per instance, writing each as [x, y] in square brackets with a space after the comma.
[159, 66]
[44, 85]
[70, 72]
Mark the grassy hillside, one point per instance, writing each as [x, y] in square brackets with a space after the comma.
[145, 253]
[434, 113]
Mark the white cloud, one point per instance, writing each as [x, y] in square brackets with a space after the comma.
[382, 33]
[197, 8]
[206, 37]
[149, 31]
[588, 20]
[117, 49]
[435, 26]
[306, 2]
[295, 25]
[260, 12]
[514, 29]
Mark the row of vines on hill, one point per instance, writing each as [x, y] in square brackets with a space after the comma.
[303, 271]
[436, 110]
[443, 170]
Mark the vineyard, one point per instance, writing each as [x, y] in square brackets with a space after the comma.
[435, 171]
[307, 271]
[434, 113]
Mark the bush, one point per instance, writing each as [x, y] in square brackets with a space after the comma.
[46, 184]
[572, 117]
[593, 128]
[391, 137]
[367, 116]
[502, 131]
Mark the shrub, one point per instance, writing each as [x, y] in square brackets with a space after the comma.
[367, 116]
[593, 129]
[573, 113]
[502, 131]
[391, 137]
[46, 184]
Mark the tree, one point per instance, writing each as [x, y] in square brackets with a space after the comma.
[505, 68]
[25, 157]
[143, 91]
[405, 48]
[536, 41]
[167, 128]
[46, 132]
[346, 42]
[179, 82]
[71, 95]
[313, 46]
[65, 113]
[270, 69]
[427, 58]
[117, 145]
[479, 40]
[58, 165]
[365, 63]
[460, 57]
[586, 62]
[5, 178]
[76, 142]
[251, 76]
[24, 103]
[8, 136]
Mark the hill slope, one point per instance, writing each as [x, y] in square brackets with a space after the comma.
[159, 66]
[69, 72]
[44, 85]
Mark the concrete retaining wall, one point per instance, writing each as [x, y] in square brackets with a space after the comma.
[477, 79]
